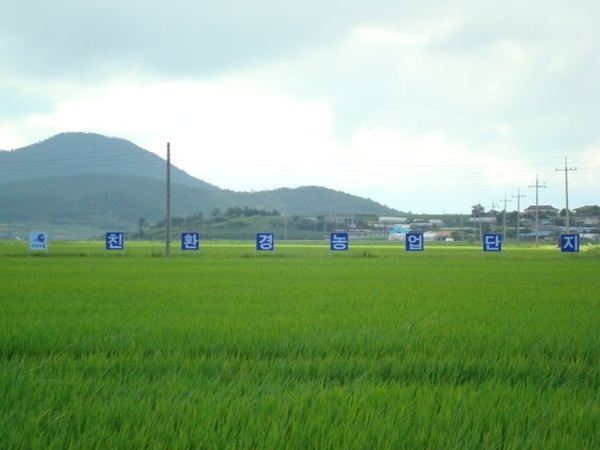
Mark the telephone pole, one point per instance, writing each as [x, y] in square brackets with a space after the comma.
[567, 170]
[504, 217]
[519, 197]
[537, 187]
[493, 221]
[168, 223]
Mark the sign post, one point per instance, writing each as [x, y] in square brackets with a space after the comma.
[190, 241]
[265, 242]
[38, 241]
[414, 242]
[492, 242]
[569, 243]
[339, 242]
[114, 241]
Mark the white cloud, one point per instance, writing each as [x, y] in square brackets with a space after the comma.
[422, 106]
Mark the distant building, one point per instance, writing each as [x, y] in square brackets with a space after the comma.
[420, 226]
[543, 209]
[341, 221]
[390, 220]
[482, 219]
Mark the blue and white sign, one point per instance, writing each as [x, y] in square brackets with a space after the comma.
[265, 241]
[115, 241]
[492, 242]
[414, 242]
[190, 241]
[569, 243]
[38, 240]
[338, 242]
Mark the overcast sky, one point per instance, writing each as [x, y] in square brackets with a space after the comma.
[429, 106]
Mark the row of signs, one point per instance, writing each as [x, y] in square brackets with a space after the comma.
[189, 241]
[414, 242]
[337, 242]
[38, 240]
[569, 243]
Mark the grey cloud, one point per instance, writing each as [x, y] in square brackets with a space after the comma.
[480, 31]
[180, 37]
[439, 87]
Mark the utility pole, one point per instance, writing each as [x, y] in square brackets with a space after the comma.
[537, 187]
[168, 223]
[504, 217]
[567, 170]
[493, 221]
[480, 228]
[519, 197]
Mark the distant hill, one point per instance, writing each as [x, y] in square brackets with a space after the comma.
[73, 177]
[69, 154]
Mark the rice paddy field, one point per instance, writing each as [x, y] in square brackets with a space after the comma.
[369, 349]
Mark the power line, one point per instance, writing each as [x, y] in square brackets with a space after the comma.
[74, 163]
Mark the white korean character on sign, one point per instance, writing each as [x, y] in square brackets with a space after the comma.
[569, 243]
[265, 241]
[414, 242]
[492, 243]
[339, 241]
[38, 240]
[190, 241]
[114, 241]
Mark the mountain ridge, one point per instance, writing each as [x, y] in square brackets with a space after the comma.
[62, 178]
[66, 153]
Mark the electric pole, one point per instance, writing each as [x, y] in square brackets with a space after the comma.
[537, 187]
[168, 223]
[519, 197]
[493, 221]
[504, 217]
[567, 170]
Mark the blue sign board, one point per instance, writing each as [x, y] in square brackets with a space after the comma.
[492, 242]
[569, 243]
[414, 242]
[190, 241]
[115, 241]
[265, 241]
[38, 240]
[338, 242]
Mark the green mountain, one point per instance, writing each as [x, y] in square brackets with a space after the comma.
[69, 154]
[79, 177]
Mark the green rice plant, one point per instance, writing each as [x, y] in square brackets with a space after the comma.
[302, 350]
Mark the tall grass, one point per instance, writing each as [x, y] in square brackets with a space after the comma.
[444, 350]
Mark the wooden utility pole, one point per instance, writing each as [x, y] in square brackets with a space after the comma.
[168, 222]
[504, 217]
[519, 197]
[493, 221]
[537, 187]
[570, 169]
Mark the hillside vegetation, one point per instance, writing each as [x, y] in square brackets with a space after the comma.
[77, 177]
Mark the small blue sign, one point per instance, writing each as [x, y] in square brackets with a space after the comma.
[492, 242]
[115, 241]
[265, 241]
[190, 241]
[338, 242]
[38, 240]
[414, 242]
[569, 243]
